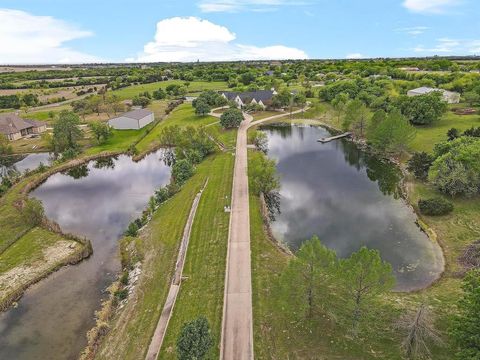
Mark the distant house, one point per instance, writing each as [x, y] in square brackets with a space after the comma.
[410, 68]
[242, 99]
[448, 96]
[14, 127]
[133, 120]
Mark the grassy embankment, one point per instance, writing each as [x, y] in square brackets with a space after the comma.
[277, 336]
[202, 290]
[28, 253]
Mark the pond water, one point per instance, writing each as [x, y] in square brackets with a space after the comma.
[96, 201]
[348, 199]
[21, 163]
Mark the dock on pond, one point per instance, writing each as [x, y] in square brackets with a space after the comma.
[331, 138]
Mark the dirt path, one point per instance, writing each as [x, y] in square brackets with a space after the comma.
[161, 329]
[237, 324]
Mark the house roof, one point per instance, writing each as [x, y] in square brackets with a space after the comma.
[137, 114]
[248, 96]
[427, 90]
[12, 123]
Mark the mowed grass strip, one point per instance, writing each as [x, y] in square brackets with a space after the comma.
[201, 293]
[194, 87]
[133, 328]
[183, 115]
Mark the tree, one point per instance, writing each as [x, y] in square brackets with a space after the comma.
[182, 170]
[393, 134]
[466, 325]
[339, 104]
[356, 118]
[419, 164]
[300, 99]
[95, 103]
[308, 277]
[420, 332]
[195, 340]
[159, 94]
[472, 98]
[81, 107]
[142, 101]
[33, 212]
[282, 99]
[113, 103]
[201, 107]
[66, 132]
[456, 169]
[378, 117]
[231, 118]
[5, 146]
[423, 109]
[101, 131]
[365, 275]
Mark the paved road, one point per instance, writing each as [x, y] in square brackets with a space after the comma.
[237, 325]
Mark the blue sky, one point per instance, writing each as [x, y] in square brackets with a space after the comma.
[54, 31]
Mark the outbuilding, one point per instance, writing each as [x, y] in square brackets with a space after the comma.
[448, 96]
[132, 120]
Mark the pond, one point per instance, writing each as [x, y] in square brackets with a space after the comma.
[20, 163]
[348, 199]
[96, 201]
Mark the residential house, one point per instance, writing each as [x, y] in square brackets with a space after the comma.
[14, 127]
[448, 96]
[242, 99]
[132, 120]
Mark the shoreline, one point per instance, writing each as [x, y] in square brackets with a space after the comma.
[404, 194]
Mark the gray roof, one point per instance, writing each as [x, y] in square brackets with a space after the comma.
[12, 123]
[259, 95]
[427, 90]
[137, 114]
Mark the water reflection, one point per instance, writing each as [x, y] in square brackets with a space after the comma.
[20, 163]
[348, 199]
[98, 201]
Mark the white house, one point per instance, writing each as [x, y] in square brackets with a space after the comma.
[448, 96]
[135, 119]
[242, 99]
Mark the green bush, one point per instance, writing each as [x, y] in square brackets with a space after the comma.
[435, 206]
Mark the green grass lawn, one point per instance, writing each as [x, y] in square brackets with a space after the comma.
[202, 292]
[194, 87]
[184, 115]
[28, 249]
[428, 136]
[132, 330]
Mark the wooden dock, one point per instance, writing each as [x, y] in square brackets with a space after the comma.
[326, 140]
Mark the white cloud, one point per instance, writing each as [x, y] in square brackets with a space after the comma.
[430, 6]
[242, 5]
[187, 39]
[451, 46]
[413, 30]
[354, 56]
[31, 39]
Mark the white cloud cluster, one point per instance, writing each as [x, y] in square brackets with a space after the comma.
[31, 39]
[355, 56]
[244, 5]
[413, 30]
[185, 39]
[451, 46]
[430, 6]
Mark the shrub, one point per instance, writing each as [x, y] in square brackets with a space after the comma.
[195, 340]
[121, 294]
[182, 171]
[33, 212]
[132, 229]
[435, 206]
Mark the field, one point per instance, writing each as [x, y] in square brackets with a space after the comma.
[194, 87]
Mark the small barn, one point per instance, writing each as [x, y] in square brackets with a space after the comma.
[448, 96]
[132, 120]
